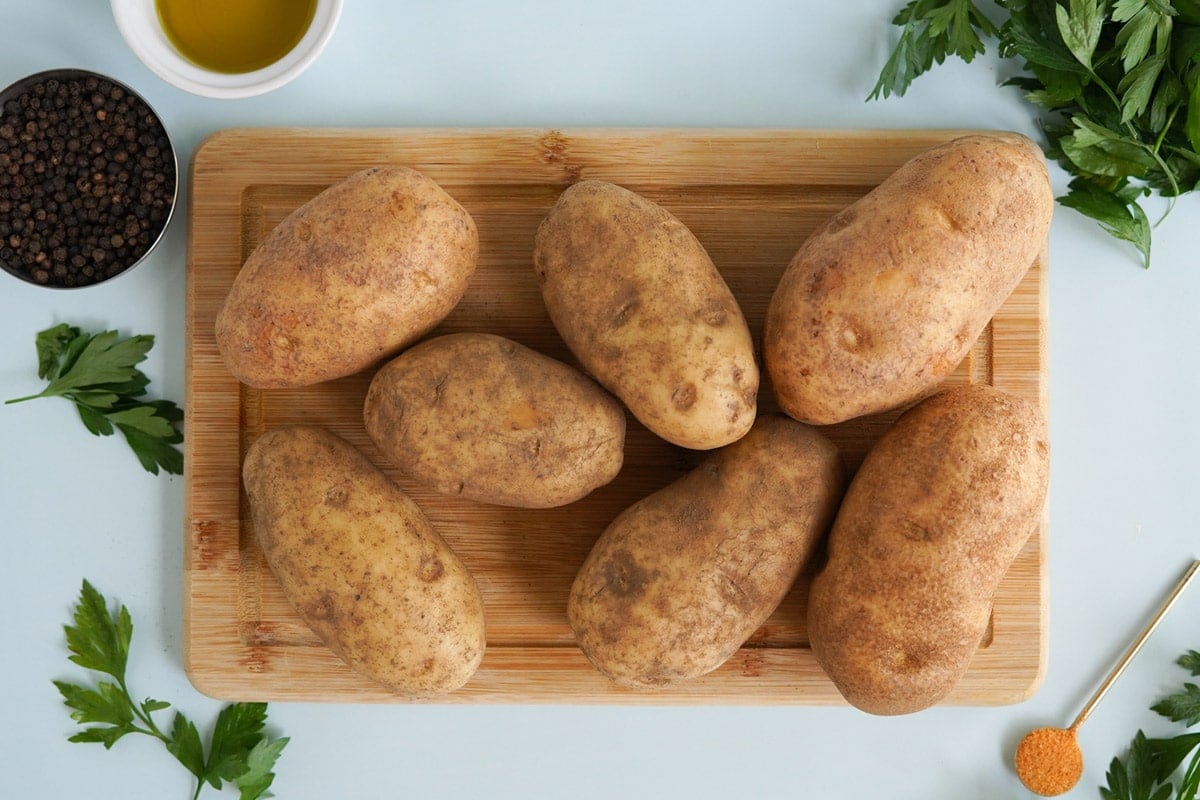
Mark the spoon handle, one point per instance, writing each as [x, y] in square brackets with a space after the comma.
[1137, 645]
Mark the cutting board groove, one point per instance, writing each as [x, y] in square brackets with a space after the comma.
[750, 196]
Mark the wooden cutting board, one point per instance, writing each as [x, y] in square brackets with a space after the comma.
[750, 196]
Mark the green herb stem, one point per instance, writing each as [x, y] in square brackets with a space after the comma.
[1167, 127]
[1112, 96]
[26, 397]
[1171, 178]
[147, 720]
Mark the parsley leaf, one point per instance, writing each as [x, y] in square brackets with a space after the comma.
[1096, 150]
[1121, 218]
[1193, 118]
[98, 373]
[1183, 706]
[51, 344]
[257, 779]
[105, 704]
[1168, 754]
[1135, 36]
[1190, 661]
[97, 641]
[1031, 32]
[238, 730]
[239, 750]
[185, 745]
[1137, 86]
[1133, 778]
[1080, 28]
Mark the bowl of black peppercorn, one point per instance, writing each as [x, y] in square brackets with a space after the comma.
[88, 179]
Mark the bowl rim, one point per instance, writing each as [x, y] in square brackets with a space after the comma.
[18, 86]
[251, 84]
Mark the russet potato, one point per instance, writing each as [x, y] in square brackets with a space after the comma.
[679, 580]
[486, 418]
[933, 518]
[357, 273]
[361, 564]
[883, 302]
[639, 302]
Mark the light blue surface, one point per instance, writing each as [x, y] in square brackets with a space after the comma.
[1124, 403]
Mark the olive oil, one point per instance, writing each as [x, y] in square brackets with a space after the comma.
[235, 36]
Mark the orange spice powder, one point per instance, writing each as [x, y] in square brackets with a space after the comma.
[1048, 761]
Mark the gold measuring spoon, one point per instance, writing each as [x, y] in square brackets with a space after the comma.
[1048, 760]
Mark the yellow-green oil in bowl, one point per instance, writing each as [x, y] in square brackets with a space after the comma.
[235, 36]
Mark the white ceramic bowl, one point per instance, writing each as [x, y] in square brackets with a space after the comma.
[138, 22]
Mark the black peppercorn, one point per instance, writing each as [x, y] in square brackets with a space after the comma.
[87, 180]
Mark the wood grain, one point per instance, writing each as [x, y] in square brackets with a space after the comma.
[750, 196]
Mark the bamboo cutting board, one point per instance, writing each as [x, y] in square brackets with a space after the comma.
[750, 196]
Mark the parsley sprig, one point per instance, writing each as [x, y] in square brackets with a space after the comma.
[239, 752]
[1117, 85]
[931, 31]
[98, 373]
[1151, 767]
